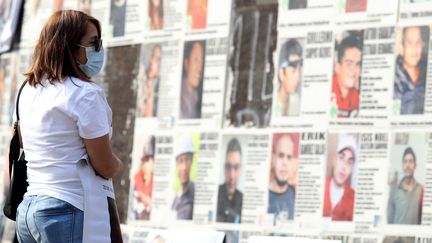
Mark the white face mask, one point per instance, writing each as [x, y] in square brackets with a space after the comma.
[95, 60]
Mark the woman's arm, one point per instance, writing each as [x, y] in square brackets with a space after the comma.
[105, 163]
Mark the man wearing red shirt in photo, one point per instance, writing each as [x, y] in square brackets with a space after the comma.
[143, 182]
[346, 77]
[339, 195]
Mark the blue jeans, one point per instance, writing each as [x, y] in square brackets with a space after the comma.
[43, 218]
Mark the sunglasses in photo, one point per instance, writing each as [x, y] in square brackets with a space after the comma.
[293, 64]
[97, 44]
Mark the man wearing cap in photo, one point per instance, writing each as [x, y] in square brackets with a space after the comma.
[184, 201]
[339, 195]
[143, 182]
[230, 199]
[290, 67]
[406, 198]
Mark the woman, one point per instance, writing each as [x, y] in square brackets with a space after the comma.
[64, 118]
[148, 95]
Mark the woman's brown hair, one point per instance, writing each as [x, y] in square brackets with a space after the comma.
[53, 57]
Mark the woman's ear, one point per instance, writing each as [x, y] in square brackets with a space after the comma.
[79, 56]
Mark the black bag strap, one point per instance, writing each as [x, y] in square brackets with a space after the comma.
[18, 98]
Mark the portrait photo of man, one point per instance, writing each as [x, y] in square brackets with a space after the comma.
[283, 173]
[406, 196]
[192, 80]
[230, 198]
[346, 75]
[410, 69]
[338, 193]
[289, 76]
[184, 200]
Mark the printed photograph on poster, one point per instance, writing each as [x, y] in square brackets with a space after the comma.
[142, 177]
[155, 14]
[345, 97]
[186, 151]
[149, 80]
[399, 239]
[118, 17]
[283, 176]
[341, 176]
[197, 14]
[352, 6]
[230, 191]
[192, 79]
[406, 178]
[288, 94]
[85, 6]
[412, 45]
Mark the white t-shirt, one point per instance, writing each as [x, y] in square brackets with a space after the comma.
[54, 119]
[336, 193]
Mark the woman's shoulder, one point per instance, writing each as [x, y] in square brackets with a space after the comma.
[77, 90]
[76, 86]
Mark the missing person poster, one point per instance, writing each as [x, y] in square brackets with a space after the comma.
[303, 64]
[407, 174]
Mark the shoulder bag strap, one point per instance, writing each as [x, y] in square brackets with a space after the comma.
[18, 98]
